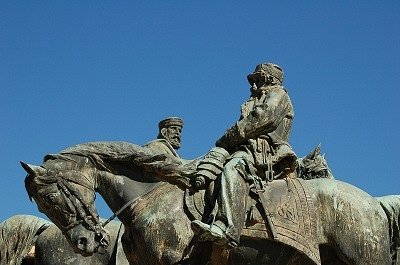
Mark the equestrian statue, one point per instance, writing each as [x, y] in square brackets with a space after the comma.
[249, 200]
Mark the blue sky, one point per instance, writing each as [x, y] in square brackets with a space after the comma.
[74, 72]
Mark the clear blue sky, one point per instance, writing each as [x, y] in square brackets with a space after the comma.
[73, 72]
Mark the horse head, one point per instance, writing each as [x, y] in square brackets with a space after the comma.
[313, 166]
[67, 196]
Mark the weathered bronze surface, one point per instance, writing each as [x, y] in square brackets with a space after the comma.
[29, 239]
[347, 220]
[250, 200]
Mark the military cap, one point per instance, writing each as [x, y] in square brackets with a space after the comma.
[269, 68]
[170, 121]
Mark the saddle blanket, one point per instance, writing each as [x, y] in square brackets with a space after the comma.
[292, 215]
[291, 212]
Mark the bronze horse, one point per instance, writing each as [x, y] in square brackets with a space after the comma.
[351, 227]
[27, 239]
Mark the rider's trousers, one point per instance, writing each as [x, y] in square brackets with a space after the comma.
[233, 196]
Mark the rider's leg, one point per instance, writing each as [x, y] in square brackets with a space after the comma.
[232, 199]
[231, 213]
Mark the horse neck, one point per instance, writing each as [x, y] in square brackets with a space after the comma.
[118, 190]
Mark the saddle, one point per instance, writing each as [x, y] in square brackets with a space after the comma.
[288, 216]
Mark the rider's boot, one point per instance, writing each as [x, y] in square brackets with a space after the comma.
[215, 232]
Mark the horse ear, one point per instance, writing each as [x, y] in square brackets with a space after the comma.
[32, 170]
[314, 153]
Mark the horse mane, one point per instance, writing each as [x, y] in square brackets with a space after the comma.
[17, 236]
[101, 152]
[106, 155]
[51, 164]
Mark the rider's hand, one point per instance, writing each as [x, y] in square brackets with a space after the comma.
[200, 182]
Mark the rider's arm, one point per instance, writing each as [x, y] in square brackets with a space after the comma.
[263, 118]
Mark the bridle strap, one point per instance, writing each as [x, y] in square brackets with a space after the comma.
[80, 206]
[64, 177]
[132, 202]
[93, 224]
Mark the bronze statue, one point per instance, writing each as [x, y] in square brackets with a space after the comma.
[27, 239]
[260, 153]
[47, 241]
[272, 208]
[169, 136]
[314, 219]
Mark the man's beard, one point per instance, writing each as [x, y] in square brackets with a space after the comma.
[175, 142]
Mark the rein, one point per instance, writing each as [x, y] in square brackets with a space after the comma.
[62, 182]
[86, 212]
[132, 202]
[62, 179]
[81, 207]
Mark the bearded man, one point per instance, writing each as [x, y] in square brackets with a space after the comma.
[169, 137]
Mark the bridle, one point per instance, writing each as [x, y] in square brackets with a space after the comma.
[63, 182]
[85, 211]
